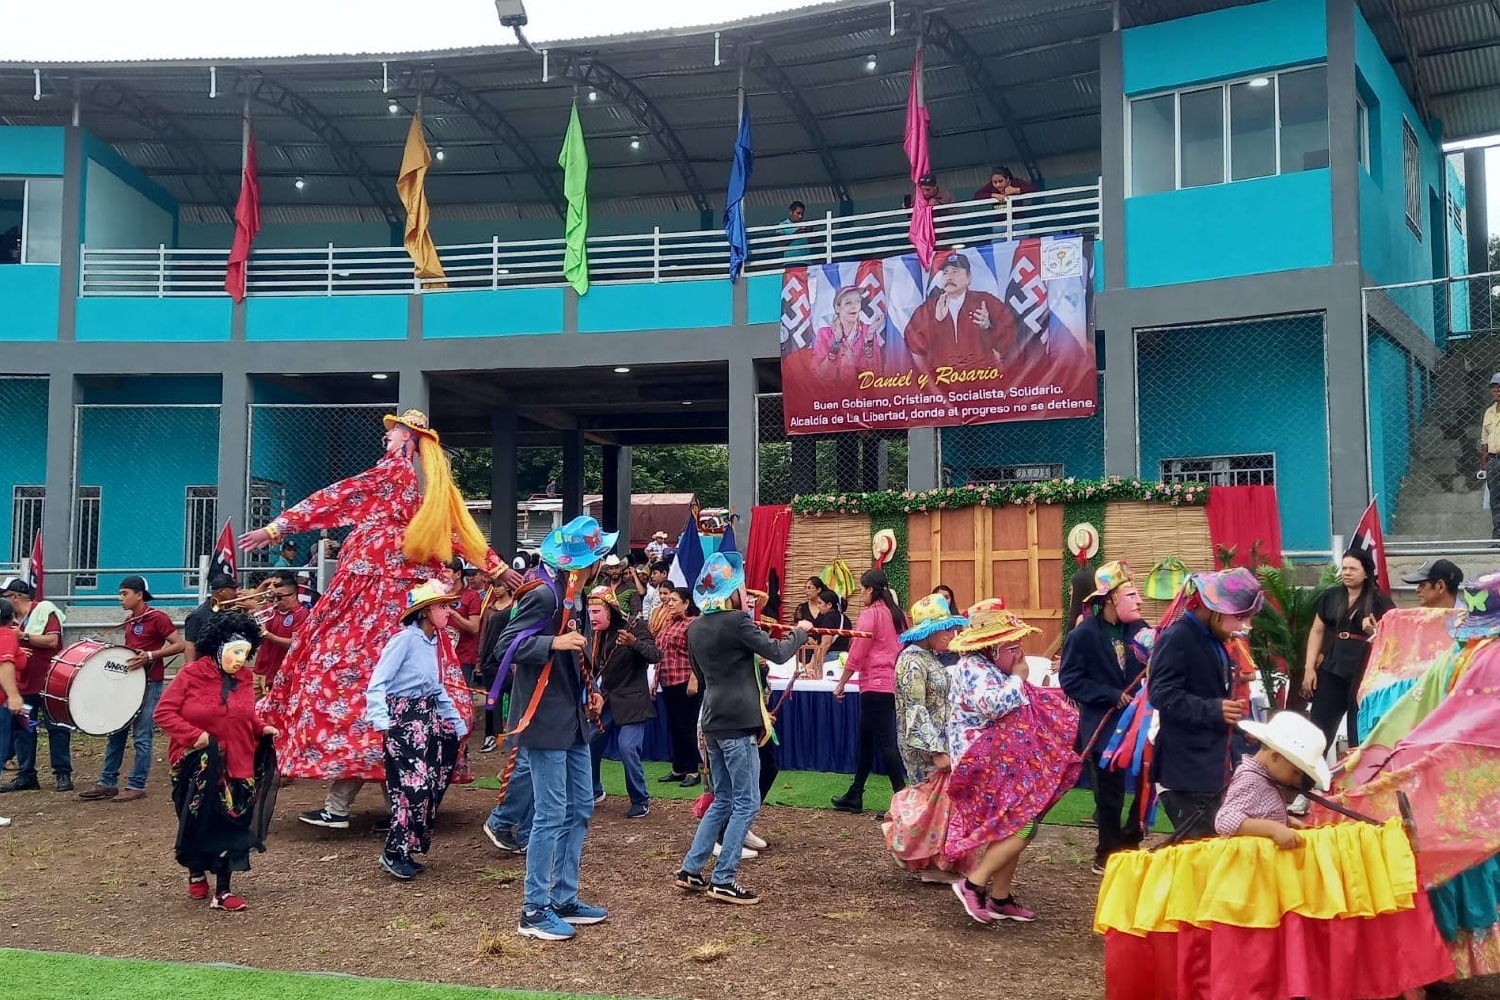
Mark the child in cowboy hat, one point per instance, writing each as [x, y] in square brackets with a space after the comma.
[1290, 754]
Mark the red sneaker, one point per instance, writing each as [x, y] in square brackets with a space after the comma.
[198, 886]
[228, 901]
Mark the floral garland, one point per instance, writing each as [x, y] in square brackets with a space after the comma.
[1071, 490]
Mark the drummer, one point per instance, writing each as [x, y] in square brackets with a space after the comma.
[40, 624]
[150, 634]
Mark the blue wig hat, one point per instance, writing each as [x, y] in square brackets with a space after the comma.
[577, 545]
[722, 577]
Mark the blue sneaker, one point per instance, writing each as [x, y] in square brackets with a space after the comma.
[401, 868]
[578, 912]
[544, 925]
[638, 810]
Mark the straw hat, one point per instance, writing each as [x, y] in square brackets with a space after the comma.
[414, 421]
[1298, 740]
[425, 595]
[990, 625]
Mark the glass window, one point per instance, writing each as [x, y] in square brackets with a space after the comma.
[12, 214]
[43, 222]
[1412, 157]
[1252, 128]
[1153, 141]
[1202, 116]
[1362, 132]
[1304, 119]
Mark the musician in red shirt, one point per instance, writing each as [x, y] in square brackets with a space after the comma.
[11, 658]
[40, 634]
[154, 640]
[288, 614]
[958, 327]
[467, 619]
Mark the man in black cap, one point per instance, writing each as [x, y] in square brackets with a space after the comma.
[221, 590]
[1437, 583]
[934, 195]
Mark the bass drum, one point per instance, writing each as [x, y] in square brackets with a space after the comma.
[89, 688]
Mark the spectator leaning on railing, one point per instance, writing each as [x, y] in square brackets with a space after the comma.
[794, 232]
[1002, 185]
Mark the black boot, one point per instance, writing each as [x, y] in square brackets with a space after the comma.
[850, 802]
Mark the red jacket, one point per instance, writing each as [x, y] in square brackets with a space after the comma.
[192, 705]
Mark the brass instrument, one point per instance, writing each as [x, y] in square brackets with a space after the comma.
[258, 604]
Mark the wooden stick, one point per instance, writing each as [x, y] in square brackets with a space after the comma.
[847, 633]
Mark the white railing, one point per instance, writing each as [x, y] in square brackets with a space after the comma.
[655, 256]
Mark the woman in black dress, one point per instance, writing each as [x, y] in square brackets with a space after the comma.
[1338, 644]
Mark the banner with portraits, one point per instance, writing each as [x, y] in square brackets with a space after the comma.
[987, 334]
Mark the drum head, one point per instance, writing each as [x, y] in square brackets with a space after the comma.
[105, 695]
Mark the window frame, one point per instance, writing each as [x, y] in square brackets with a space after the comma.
[1007, 475]
[22, 532]
[1224, 87]
[1362, 132]
[26, 182]
[194, 498]
[1266, 465]
[1411, 177]
[88, 511]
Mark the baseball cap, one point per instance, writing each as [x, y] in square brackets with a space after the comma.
[1495, 379]
[930, 179]
[1434, 570]
[16, 585]
[221, 581]
[138, 583]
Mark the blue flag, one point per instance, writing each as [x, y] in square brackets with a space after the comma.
[689, 560]
[728, 543]
[734, 204]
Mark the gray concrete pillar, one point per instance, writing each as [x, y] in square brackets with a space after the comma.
[922, 458]
[234, 438]
[743, 443]
[1121, 432]
[412, 392]
[1121, 406]
[503, 484]
[57, 510]
[804, 464]
[1476, 219]
[572, 477]
[617, 490]
[72, 232]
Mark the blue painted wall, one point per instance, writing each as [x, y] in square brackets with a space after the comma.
[1390, 434]
[143, 319]
[1283, 412]
[503, 312]
[24, 403]
[1224, 44]
[764, 297]
[1226, 230]
[31, 150]
[671, 305]
[343, 317]
[29, 296]
[1078, 444]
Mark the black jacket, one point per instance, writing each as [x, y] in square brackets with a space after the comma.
[1189, 683]
[722, 647]
[560, 722]
[1092, 676]
[622, 675]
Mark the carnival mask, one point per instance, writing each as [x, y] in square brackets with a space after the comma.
[233, 654]
[599, 617]
[1128, 603]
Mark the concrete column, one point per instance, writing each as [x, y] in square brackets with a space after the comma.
[1343, 145]
[1112, 152]
[1476, 221]
[743, 444]
[412, 392]
[846, 462]
[57, 512]
[617, 490]
[234, 435]
[1121, 433]
[503, 486]
[922, 457]
[572, 478]
[1121, 404]
[72, 231]
[804, 464]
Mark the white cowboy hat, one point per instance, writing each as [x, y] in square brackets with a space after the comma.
[1298, 740]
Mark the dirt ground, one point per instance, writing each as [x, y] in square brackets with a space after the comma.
[836, 920]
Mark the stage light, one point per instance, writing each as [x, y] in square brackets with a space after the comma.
[870, 63]
[622, 370]
[380, 376]
[593, 94]
[394, 108]
[437, 153]
[299, 183]
[1261, 81]
[635, 142]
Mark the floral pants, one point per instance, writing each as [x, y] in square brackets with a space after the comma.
[421, 752]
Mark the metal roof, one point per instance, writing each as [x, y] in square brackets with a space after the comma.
[1014, 81]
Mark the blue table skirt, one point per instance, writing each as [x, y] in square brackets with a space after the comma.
[817, 733]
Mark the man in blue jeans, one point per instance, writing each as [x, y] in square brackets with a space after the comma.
[552, 705]
[722, 646]
[622, 654]
[152, 637]
[509, 823]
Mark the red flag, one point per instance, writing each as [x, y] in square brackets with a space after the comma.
[224, 560]
[246, 225]
[920, 232]
[1367, 538]
[32, 571]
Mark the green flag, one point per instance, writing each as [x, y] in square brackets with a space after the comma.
[574, 159]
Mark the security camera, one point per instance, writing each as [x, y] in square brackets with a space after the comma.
[512, 13]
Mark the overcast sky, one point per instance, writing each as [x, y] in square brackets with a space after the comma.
[69, 30]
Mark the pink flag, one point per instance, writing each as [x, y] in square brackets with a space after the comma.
[246, 224]
[920, 232]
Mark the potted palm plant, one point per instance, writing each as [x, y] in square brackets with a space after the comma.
[1278, 639]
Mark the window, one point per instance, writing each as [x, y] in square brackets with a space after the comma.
[1411, 157]
[86, 536]
[267, 498]
[26, 506]
[200, 511]
[1362, 132]
[30, 220]
[1001, 474]
[1221, 470]
[1261, 126]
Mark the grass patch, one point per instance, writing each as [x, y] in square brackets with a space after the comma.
[709, 951]
[66, 977]
[846, 915]
[501, 874]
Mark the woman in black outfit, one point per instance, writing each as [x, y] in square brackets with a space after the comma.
[1338, 644]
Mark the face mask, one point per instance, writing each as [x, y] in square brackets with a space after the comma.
[1128, 604]
[233, 654]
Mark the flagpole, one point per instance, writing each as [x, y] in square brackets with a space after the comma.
[244, 137]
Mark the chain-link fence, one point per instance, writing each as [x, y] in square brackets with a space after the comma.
[1431, 350]
[23, 474]
[1240, 403]
[145, 490]
[856, 461]
[297, 448]
[1025, 450]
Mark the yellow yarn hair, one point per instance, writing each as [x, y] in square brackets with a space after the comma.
[442, 514]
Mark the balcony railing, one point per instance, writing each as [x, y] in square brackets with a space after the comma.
[655, 256]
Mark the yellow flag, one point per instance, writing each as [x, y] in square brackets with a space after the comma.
[411, 185]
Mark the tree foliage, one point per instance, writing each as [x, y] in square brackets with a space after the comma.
[702, 469]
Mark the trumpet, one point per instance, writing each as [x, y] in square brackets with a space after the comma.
[251, 602]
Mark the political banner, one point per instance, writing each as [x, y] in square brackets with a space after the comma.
[987, 334]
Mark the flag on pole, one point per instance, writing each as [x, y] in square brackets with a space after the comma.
[574, 159]
[411, 186]
[920, 231]
[31, 571]
[689, 561]
[224, 560]
[734, 203]
[246, 223]
[1367, 538]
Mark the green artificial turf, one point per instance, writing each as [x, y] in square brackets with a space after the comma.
[49, 976]
[810, 790]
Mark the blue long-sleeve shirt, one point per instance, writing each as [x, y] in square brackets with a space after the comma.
[408, 668]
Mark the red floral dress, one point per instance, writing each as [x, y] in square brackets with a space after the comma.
[317, 699]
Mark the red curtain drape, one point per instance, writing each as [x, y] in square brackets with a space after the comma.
[766, 548]
[1239, 517]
